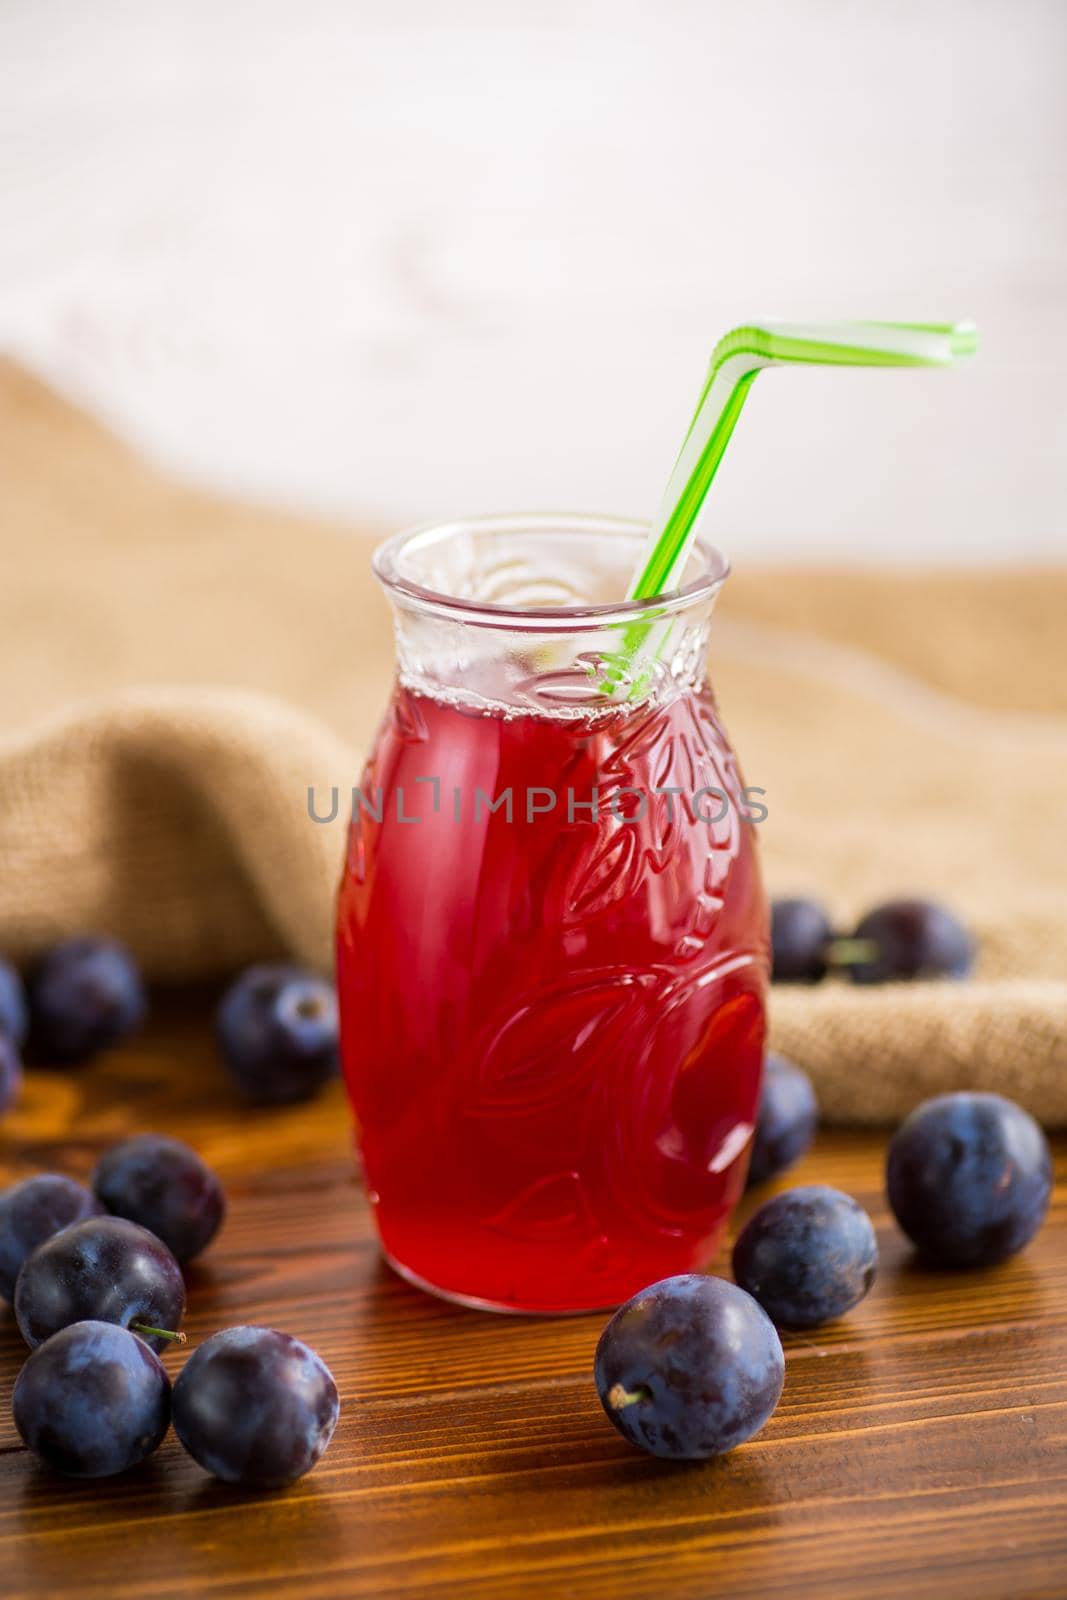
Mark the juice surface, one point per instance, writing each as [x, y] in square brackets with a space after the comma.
[552, 1026]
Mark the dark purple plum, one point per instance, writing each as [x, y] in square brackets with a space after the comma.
[165, 1186]
[910, 939]
[85, 994]
[10, 1074]
[255, 1407]
[800, 936]
[786, 1120]
[808, 1256]
[969, 1178]
[14, 1015]
[689, 1368]
[102, 1270]
[31, 1212]
[277, 1031]
[93, 1400]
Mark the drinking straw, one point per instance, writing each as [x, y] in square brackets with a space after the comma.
[736, 360]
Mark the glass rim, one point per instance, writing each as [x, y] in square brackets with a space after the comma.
[715, 569]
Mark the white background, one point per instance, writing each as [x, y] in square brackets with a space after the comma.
[400, 260]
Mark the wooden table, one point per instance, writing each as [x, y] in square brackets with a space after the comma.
[920, 1447]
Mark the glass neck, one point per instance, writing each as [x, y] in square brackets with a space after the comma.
[526, 614]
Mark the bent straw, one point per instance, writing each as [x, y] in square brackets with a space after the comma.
[736, 360]
[734, 365]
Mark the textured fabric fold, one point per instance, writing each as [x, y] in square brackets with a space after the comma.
[177, 672]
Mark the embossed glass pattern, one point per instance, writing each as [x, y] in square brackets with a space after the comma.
[552, 1009]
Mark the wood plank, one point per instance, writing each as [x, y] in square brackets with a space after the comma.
[920, 1446]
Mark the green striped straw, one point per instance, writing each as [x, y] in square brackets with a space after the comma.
[734, 365]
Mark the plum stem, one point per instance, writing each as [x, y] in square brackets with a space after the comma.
[851, 952]
[619, 1397]
[157, 1333]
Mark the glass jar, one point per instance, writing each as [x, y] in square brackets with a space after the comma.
[551, 935]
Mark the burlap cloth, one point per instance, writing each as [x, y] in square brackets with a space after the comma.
[176, 671]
